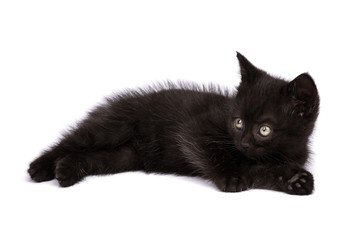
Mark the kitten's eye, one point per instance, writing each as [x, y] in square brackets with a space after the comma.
[239, 124]
[265, 131]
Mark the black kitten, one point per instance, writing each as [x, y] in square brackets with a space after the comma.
[257, 138]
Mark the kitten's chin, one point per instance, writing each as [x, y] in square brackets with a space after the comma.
[251, 156]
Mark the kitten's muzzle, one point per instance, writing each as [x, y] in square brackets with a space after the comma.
[245, 145]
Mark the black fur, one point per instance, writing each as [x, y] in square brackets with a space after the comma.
[196, 131]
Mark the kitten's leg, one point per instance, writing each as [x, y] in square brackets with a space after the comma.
[74, 167]
[226, 174]
[291, 180]
[91, 136]
[212, 160]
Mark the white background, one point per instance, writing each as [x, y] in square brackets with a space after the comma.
[60, 58]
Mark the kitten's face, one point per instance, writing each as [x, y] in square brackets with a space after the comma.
[259, 125]
[271, 116]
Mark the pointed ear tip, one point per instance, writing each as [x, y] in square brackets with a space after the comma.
[305, 82]
[305, 75]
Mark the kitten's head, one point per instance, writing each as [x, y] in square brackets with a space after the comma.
[271, 118]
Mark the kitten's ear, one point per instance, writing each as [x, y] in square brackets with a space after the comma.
[304, 94]
[249, 73]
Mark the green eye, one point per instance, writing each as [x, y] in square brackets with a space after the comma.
[265, 131]
[239, 124]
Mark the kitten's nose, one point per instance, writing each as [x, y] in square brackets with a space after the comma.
[245, 144]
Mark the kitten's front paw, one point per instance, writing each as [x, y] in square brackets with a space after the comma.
[300, 184]
[230, 184]
[68, 172]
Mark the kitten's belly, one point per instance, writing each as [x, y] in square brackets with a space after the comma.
[171, 166]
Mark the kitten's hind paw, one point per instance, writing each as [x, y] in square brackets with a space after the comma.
[41, 170]
[68, 172]
[300, 184]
